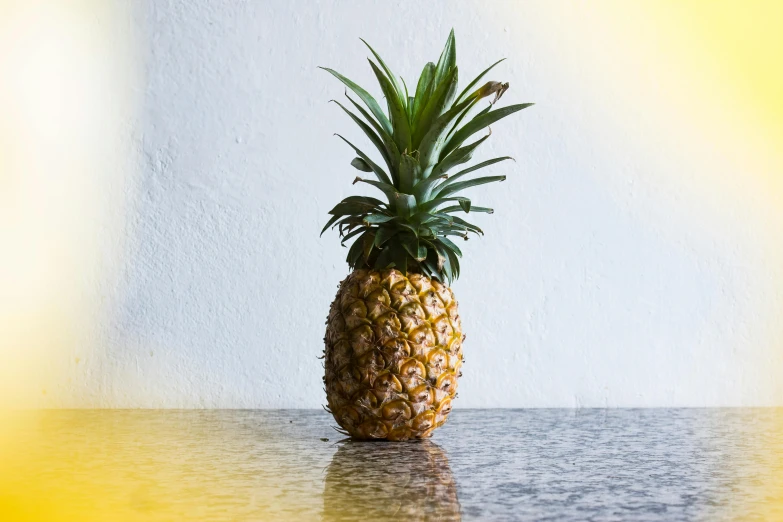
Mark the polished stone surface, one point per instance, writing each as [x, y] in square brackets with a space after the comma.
[662, 464]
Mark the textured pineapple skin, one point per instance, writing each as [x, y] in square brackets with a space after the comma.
[393, 355]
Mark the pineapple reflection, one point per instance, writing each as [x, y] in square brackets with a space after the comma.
[383, 481]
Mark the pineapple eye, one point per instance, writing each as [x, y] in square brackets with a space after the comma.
[396, 410]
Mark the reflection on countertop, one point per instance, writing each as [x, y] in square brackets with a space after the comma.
[657, 464]
[385, 481]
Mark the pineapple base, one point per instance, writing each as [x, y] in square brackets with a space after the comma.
[393, 355]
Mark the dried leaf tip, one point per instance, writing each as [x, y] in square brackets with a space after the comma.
[503, 88]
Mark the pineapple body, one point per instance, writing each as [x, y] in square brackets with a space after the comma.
[393, 354]
[393, 337]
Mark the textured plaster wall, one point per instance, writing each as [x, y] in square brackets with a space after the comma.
[609, 275]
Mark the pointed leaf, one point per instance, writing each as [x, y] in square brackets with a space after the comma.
[450, 262]
[360, 164]
[423, 189]
[400, 258]
[347, 224]
[476, 80]
[368, 241]
[351, 234]
[481, 122]
[399, 119]
[454, 260]
[431, 148]
[458, 208]
[457, 157]
[436, 202]
[384, 234]
[351, 208]
[406, 204]
[365, 97]
[438, 101]
[445, 263]
[467, 225]
[393, 154]
[435, 219]
[402, 95]
[447, 60]
[384, 258]
[425, 232]
[364, 200]
[453, 179]
[422, 93]
[355, 253]
[465, 113]
[329, 223]
[377, 218]
[462, 185]
[448, 243]
[379, 172]
[410, 172]
[374, 138]
[411, 245]
[387, 189]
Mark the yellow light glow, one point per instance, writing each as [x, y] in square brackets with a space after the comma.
[66, 71]
[695, 89]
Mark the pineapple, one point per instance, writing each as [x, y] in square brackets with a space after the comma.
[394, 338]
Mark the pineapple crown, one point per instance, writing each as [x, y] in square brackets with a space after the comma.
[421, 141]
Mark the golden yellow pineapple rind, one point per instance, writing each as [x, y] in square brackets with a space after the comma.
[393, 354]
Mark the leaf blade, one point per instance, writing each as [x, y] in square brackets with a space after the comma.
[480, 122]
[394, 81]
[422, 93]
[410, 172]
[399, 118]
[379, 172]
[447, 60]
[370, 133]
[462, 185]
[476, 80]
[365, 97]
[453, 179]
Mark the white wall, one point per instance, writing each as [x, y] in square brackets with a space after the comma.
[611, 273]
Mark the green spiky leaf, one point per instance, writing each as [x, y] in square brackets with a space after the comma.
[481, 122]
[399, 118]
[377, 218]
[438, 101]
[462, 185]
[410, 172]
[477, 79]
[379, 172]
[422, 139]
[447, 60]
[401, 94]
[384, 234]
[360, 164]
[422, 92]
[365, 97]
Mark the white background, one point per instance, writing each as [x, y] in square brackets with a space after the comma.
[610, 273]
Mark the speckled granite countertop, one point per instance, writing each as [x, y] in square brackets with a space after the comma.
[662, 464]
